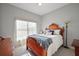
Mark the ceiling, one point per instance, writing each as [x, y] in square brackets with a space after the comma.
[39, 10]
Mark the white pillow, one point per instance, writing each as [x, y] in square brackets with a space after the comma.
[48, 33]
[56, 32]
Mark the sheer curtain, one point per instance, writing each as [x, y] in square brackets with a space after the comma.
[25, 28]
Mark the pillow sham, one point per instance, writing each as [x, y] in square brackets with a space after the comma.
[48, 32]
[53, 32]
[56, 32]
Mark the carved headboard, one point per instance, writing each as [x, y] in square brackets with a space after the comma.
[55, 27]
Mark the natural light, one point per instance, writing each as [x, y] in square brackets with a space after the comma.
[25, 28]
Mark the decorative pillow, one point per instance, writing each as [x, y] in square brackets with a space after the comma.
[56, 32]
[52, 32]
[48, 32]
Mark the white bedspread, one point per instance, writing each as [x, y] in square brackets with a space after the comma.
[57, 42]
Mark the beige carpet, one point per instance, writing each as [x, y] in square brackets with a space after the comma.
[65, 52]
[61, 52]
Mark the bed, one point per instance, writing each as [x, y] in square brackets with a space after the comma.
[47, 44]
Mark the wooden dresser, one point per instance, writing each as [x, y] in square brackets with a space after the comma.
[5, 46]
[76, 45]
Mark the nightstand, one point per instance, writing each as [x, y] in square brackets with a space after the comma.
[75, 43]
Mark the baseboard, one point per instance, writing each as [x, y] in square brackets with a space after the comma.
[71, 47]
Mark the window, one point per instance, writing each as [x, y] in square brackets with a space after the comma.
[25, 28]
[32, 28]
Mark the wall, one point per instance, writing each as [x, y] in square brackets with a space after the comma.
[0, 18]
[10, 14]
[66, 13]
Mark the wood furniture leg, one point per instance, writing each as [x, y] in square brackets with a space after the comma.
[76, 46]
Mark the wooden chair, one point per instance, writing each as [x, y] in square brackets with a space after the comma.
[5, 46]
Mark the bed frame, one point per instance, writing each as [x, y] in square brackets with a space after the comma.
[35, 47]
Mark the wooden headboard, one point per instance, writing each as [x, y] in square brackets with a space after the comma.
[55, 27]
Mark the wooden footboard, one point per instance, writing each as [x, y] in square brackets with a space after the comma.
[35, 47]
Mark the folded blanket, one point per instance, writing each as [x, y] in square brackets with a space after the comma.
[43, 41]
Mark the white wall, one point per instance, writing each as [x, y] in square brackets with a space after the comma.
[0, 18]
[10, 14]
[69, 12]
